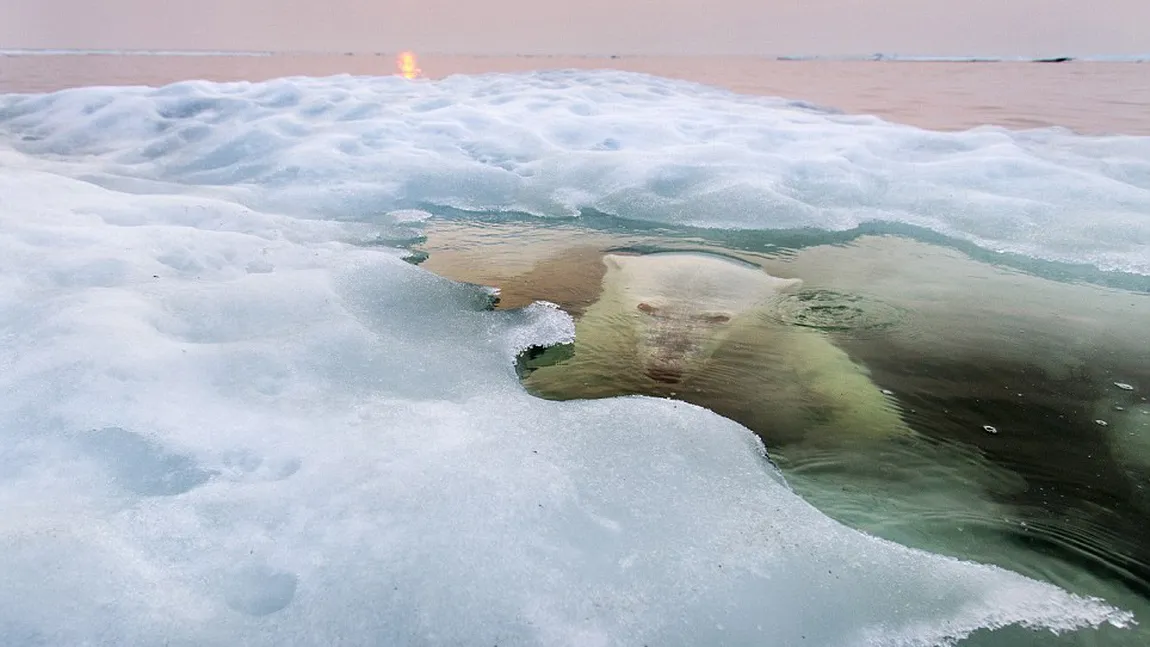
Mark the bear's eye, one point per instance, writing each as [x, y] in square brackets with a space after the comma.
[716, 318]
[647, 308]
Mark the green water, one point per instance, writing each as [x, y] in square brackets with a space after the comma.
[1010, 436]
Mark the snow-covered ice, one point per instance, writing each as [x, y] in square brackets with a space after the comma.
[552, 143]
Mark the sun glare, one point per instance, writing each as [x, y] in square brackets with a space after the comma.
[408, 68]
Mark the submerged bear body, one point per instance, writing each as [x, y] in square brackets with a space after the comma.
[702, 328]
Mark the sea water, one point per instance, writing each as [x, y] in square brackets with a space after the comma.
[238, 412]
[1002, 386]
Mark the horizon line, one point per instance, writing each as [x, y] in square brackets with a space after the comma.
[872, 56]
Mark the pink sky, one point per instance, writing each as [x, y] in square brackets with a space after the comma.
[831, 27]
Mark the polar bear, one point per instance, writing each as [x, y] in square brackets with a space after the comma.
[700, 327]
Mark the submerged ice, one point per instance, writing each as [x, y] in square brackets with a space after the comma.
[631, 145]
[228, 420]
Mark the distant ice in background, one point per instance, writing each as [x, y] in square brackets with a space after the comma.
[1101, 58]
[555, 143]
[230, 417]
[128, 52]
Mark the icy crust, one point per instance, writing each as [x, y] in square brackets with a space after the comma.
[225, 428]
[632, 145]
